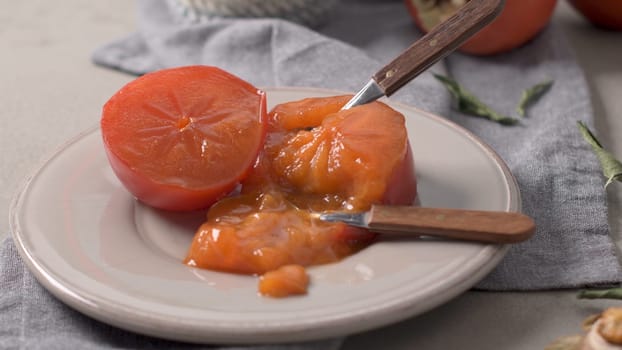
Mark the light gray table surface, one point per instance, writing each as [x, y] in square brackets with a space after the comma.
[50, 91]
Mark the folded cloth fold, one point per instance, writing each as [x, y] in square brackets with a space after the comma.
[558, 176]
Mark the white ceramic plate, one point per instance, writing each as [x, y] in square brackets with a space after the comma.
[94, 247]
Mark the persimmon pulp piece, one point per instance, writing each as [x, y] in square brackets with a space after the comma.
[254, 234]
[182, 138]
[285, 281]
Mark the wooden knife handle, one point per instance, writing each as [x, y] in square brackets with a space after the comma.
[473, 225]
[436, 44]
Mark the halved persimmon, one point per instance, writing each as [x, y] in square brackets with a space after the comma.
[182, 138]
[316, 158]
[350, 158]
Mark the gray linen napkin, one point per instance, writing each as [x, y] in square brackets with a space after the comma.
[558, 176]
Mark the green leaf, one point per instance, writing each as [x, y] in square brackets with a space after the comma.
[470, 104]
[612, 168]
[532, 95]
[612, 293]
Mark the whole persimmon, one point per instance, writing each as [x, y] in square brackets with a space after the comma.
[519, 22]
[603, 13]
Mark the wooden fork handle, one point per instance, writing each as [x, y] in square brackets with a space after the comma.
[473, 225]
[436, 44]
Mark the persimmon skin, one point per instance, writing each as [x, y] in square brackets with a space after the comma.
[602, 13]
[519, 22]
[163, 196]
[403, 174]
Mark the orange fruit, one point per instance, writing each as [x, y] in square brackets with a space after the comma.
[182, 138]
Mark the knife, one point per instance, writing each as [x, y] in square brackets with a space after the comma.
[432, 47]
[470, 225]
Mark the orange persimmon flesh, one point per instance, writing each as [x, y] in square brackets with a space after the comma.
[315, 158]
[285, 281]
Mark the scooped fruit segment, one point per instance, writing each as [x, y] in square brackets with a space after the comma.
[182, 138]
[316, 158]
[257, 233]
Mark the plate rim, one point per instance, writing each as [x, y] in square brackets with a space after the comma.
[148, 324]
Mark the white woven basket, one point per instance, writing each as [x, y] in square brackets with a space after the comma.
[307, 12]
